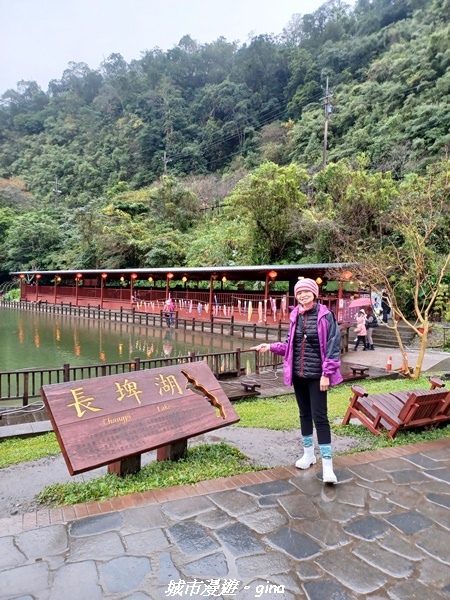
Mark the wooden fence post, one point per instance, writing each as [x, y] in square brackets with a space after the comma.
[25, 390]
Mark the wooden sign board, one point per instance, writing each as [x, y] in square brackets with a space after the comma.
[103, 420]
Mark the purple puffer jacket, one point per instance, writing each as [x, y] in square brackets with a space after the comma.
[330, 347]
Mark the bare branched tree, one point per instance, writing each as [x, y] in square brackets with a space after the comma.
[413, 260]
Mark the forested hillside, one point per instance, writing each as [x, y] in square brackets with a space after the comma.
[212, 153]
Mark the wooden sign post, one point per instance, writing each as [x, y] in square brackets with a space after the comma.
[112, 420]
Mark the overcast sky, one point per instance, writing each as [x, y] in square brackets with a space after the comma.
[40, 37]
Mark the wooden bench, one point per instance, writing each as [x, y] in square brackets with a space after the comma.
[397, 411]
[250, 385]
[359, 369]
[351, 375]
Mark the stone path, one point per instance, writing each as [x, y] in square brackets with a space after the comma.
[382, 532]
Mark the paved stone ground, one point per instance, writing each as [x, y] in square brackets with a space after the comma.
[382, 532]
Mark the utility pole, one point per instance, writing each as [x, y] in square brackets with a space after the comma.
[325, 133]
[57, 192]
[165, 161]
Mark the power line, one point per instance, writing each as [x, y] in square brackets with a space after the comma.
[273, 114]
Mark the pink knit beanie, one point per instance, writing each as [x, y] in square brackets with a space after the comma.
[307, 284]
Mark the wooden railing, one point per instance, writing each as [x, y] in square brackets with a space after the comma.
[24, 385]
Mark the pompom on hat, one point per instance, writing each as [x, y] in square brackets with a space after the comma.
[306, 284]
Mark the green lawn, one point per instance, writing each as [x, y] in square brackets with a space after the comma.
[207, 461]
[281, 412]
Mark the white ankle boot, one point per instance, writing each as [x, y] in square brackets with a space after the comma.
[328, 475]
[308, 458]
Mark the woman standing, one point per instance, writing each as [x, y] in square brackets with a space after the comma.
[371, 323]
[311, 364]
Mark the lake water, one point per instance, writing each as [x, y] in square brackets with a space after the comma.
[36, 340]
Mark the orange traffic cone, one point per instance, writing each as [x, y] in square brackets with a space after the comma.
[389, 364]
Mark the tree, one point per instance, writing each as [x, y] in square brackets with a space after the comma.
[355, 199]
[32, 241]
[174, 206]
[123, 241]
[167, 250]
[219, 241]
[413, 261]
[267, 200]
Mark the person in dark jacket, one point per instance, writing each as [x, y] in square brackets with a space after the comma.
[385, 306]
[311, 364]
[371, 323]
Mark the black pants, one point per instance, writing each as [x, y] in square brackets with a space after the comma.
[362, 339]
[312, 405]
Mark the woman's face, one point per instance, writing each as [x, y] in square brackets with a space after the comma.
[305, 298]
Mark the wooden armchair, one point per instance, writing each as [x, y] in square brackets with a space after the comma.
[397, 411]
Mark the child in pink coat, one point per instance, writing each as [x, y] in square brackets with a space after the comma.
[361, 330]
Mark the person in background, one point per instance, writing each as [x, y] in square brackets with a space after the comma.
[376, 306]
[171, 310]
[385, 305]
[311, 364]
[360, 329]
[371, 323]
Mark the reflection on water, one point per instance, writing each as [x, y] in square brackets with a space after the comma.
[168, 345]
[34, 340]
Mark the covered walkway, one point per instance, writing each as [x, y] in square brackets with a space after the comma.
[246, 293]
